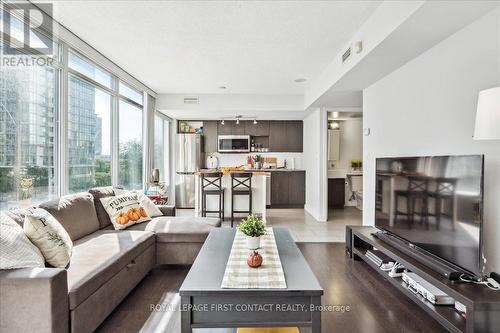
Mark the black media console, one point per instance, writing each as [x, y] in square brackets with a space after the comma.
[483, 304]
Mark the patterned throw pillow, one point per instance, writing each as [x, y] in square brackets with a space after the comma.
[125, 210]
[16, 250]
[49, 236]
[148, 204]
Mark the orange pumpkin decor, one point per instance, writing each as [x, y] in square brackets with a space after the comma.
[133, 214]
[254, 259]
[142, 212]
[122, 218]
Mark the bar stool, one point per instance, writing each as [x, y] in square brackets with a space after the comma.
[417, 192]
[241, 184]
[211, 184]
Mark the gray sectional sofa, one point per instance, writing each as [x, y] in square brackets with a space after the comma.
[106, 265]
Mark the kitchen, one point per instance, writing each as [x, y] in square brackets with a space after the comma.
[271, 149]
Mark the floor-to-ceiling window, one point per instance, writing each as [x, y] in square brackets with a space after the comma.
[89, 135]
[130, 146]
[161, 145]
[89, 125]
[68, 124]
[28, 135]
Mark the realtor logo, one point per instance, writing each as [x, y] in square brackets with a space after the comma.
[27, 29]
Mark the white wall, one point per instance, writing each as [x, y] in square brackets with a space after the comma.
[351, 143]
[314, 161]
[427, 107]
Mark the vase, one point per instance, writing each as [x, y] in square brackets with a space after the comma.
[253, 243]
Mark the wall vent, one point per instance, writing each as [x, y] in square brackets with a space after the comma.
[346, 55]
[191, 100]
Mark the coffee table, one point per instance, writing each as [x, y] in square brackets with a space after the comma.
[205, 304]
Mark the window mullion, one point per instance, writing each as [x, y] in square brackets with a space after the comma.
[63, 160]
[114, 133]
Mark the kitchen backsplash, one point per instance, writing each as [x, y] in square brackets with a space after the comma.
[226, 160]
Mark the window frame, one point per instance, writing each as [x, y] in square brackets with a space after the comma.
[143, 140]
[65, 42]
[166, 141]
[115, 114]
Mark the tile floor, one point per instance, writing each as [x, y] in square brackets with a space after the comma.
[304, 228]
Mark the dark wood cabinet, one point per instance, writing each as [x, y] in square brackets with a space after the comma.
[286, 136]
[259, 129]
[336, 193]
[210, 136]
[296, 188]
[231, 128]
[277, 136]
[288, 189]
[238, 129]
[294, 135]
[279, 188]
[251, 128]
[224, 129]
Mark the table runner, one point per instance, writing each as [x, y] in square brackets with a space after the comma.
[238, 275]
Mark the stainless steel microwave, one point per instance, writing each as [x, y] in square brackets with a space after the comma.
[233, 143]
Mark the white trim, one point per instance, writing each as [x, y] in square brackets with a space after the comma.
[115, 136]
[63, 98]
[323, 160]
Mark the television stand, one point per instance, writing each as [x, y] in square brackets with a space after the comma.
[482, 304]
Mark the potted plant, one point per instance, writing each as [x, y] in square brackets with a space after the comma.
[258, 161]
[253, 227]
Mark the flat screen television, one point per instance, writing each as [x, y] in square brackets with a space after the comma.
[434, 203]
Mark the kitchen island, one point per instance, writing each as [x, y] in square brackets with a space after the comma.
[259, 179]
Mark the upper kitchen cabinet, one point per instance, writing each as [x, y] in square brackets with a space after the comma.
[239, 129]
[231, 128]
[277, 136]
[294, 135]
[224, 129]
[210, 136]
[259, 129]
[285, 136]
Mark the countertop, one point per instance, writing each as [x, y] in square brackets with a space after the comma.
[254, 172]
[275, 170]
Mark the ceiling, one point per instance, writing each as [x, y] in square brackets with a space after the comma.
[251, 47]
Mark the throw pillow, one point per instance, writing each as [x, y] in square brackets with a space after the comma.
[49, 236]
[125, 210]
[149, 206]
[16, 250]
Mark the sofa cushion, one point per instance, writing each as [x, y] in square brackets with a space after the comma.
[100, 256]
[98, 193]
[179, 229]
[76, 213]
[19, 214]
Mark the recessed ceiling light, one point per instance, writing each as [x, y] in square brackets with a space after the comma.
[300, 80]
[222, 87]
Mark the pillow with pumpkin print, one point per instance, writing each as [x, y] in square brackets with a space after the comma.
[125, 210]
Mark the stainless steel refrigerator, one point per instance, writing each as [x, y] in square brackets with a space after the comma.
[189, 157]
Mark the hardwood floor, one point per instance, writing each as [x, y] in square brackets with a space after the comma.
[375, 306]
